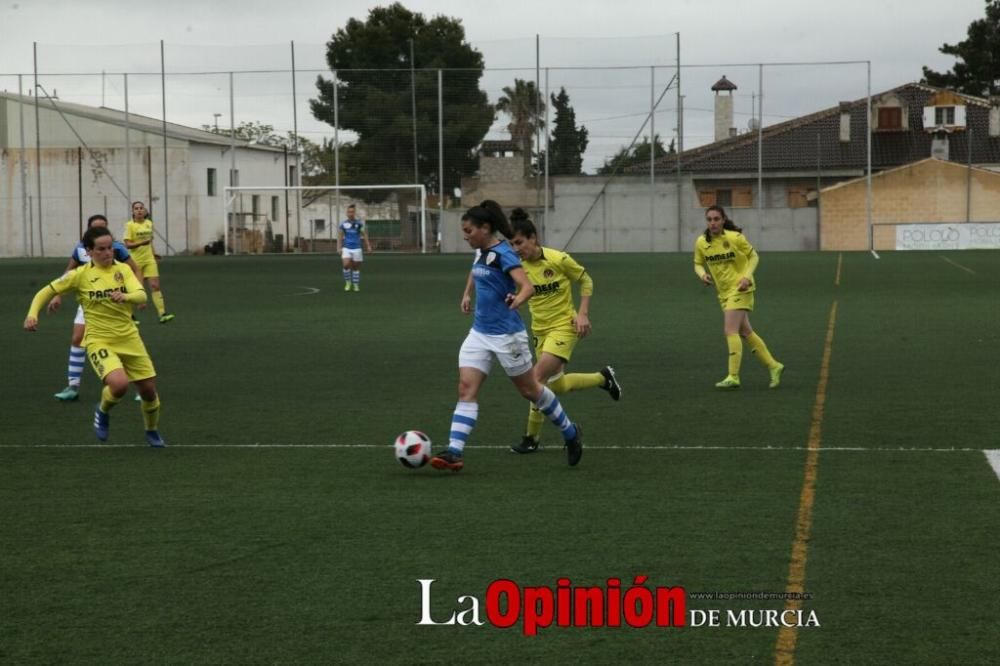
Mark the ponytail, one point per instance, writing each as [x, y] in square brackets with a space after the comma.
[520, 223]
[489, 213]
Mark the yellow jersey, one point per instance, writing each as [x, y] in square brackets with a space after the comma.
[551, 275]
[728, 257]
[93, 286]
[138, 232]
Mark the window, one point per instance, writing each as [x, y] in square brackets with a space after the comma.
[275, 208]
[291, 176]
[234, 178]
[212, 182]
[319, 226]
[735, 197]
[890, 118]
[944, 115]
[255, 208]
[802, 197]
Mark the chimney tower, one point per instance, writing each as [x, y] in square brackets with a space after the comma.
[724, 127]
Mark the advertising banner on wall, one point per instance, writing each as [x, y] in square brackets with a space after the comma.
[971, 236]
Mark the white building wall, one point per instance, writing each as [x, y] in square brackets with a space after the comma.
[78, 183]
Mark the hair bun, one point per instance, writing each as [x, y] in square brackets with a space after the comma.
[518, 214]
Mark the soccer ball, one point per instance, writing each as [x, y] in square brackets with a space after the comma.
[413, 449]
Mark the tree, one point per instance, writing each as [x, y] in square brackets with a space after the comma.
[978, 72]
[317, 160]
[373, 79]
[252, 131]
[523, 103]
[568, 143]
[637, 156]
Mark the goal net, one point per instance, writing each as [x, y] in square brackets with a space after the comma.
[258, 220]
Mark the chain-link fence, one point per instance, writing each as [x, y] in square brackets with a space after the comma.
[606, 156]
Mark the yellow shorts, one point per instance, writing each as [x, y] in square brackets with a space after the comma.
[129, 355]
[149, 268]
[737, 300]
[559, 342]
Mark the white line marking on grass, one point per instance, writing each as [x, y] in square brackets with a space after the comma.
[309, 291]
[958, 265]
[993, 458]
[594, 447]
[875, 254]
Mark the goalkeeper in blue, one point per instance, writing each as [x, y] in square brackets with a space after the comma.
[500, 286]
[107, 290]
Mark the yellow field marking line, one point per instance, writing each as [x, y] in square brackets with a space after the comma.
[958, 265]
[784, 651]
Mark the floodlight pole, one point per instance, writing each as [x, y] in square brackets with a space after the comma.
[128, 149]
[413, 107]
[868, 165]
[166, 186]
[680, 149]
[25, 224]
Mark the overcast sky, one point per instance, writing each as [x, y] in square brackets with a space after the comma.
[897, 36]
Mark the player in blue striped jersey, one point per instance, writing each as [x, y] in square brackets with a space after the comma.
[77, 354]
[350, 234]
[501, 286]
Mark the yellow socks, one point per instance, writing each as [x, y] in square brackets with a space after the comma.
[151, 413]
[535, 421]
[735, 354]
[576, 382]
[161, 309]
[107, 400]
[759, 349]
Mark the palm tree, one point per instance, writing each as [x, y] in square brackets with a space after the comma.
[524, 105]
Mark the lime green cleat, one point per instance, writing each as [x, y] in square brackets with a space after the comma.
[730, 382]
[166, 317]
[776, 375]
[357, 287]
[347, 286]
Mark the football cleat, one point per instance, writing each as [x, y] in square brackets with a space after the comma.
[153, 439]
[102, 424]
[69, 393]
[448, 459]
[528, 444]
[357, 287]
[574, 447]
[165, 317]
[730, 382]
[611, 384]
[776, 375]
[347, 286]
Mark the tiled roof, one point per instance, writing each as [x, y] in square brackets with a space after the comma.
[795, 144]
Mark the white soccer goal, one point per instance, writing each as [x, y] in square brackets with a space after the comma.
[268, 219]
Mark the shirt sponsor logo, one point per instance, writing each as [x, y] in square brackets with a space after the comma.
[725, 256]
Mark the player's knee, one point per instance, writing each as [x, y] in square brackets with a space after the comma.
[531, 391]
[117, 386]
[466, 390]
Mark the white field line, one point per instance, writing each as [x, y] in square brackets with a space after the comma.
[958, 265]
[595, 447]
[309, 291]
[993, 458]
